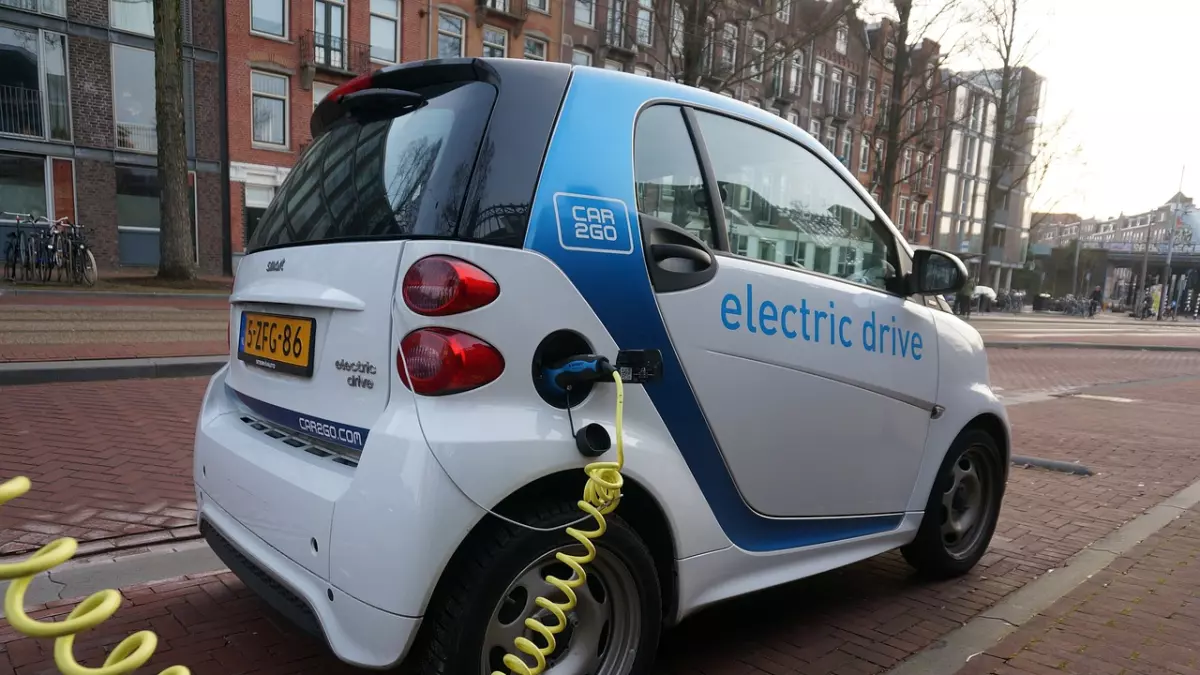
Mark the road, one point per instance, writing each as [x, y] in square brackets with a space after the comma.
[111, 464]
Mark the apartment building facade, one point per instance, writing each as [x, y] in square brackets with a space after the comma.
[77, 123]
[969, 142]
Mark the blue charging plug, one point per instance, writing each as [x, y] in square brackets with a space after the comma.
[577, 370]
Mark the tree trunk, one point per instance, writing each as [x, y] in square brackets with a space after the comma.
[176, 255]
[892, 149]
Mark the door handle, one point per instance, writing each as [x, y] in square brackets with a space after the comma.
[661, 252]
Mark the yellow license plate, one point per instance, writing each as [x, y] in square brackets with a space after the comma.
[277, 342]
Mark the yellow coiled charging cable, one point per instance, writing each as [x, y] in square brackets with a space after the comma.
[601, 495]
[132, 653]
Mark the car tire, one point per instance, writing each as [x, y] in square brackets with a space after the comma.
[951, 539]
[478, 590]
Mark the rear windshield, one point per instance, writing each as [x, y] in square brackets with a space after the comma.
[399, 177]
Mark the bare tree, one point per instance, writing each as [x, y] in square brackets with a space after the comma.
[1005, 52]
[707, 42]
[176, 254]
[913, 96]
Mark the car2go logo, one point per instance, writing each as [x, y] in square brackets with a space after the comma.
[596, 224]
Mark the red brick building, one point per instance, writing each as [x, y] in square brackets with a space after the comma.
[284, 56]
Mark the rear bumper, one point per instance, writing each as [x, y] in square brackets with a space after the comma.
[356, 632]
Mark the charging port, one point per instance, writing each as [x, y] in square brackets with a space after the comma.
[553, 349]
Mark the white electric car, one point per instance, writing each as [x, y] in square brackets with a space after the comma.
[385, 461]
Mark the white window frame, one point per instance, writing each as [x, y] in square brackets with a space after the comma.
[783, 11]
[287, 111]
[614, 65]
[758, 50]
[864, 153]
[818, 82]
[847, 147]
[729, 40]
[797, 71]
[912, 214]
[835, 88]
[645, 14]
[501, 31]
[643, 71]
[851, 93]
[908, 157]
[590, 20]
[889, 51]
[925, 218]
[793, 117]
[541, 41]
[842, 38]
[539, 6]
[581, 52]
[869, 102]
[287, 17]
[396, 21]
[902, 214]
[462, 37]
[831, 138]
[814, 129]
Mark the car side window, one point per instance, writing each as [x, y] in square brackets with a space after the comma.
[667, 174]
[785, 206]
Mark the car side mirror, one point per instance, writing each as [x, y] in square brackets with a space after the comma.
[937, 272]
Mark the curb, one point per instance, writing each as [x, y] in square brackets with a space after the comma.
[1051, 465]
[114, 294]
[42, 372]
[948, 655]
[1088, 345]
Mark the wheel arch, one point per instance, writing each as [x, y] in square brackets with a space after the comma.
[638, 508]
[992, 425]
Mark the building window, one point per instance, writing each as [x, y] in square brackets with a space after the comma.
[937, 115]
[385, 19]
[23, 184]
[783, 11]
[135, 16]
[643, 71]
[818, 83]
[133, 99]
[912, 118]
[889, 51]
[319, 91]
[535, 49]
[451, 34]
[902, 214]
[138, 192]
[869, 102]
[920, 166]
[269, 17]
[864, 153]
[794, 118]
[797, 70]
[912, 214]
[755, 102]
[814, 128]
[759, 47]
[55, 7]
[585, 13]
[729, 38]
[34, 91]
[645, 22]
[929, 172]
[925, 218]
[847, 155]
[851, 93]
[609, 64]
[542, 6]
[329, 32]
[831, 138]
[885, 103]
[843, 37]
[907, 163]
[269, 95]
[495, 42]
[880, 150]
[835, 89]
[581, 57]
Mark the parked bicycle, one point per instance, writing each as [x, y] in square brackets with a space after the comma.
[39, 248]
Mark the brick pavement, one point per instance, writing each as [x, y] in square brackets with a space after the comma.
[1140, 615]
[110, 461]
[1040, 369]
[863, 619]
[125, 350]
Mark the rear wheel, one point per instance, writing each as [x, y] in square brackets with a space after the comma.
[963, 508]
[482, 605]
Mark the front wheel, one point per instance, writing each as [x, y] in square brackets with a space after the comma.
[963, 508]
[482, 605]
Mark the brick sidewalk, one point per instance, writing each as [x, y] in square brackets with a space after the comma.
[110, 462]
[863, 619]
[1140, 615]
[82, 352]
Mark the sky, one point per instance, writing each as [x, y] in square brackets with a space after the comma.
[1123, 95]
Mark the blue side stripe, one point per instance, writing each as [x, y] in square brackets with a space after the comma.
[345, 435]
[592, 154]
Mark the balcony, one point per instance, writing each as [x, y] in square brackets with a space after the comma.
[137, 137]
[513, 10]
[334, 54]
[21, 111]
[619, 38]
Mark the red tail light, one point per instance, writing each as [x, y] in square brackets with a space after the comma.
[442, 361]
[440, 285]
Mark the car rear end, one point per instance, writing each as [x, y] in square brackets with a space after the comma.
[314, 480]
